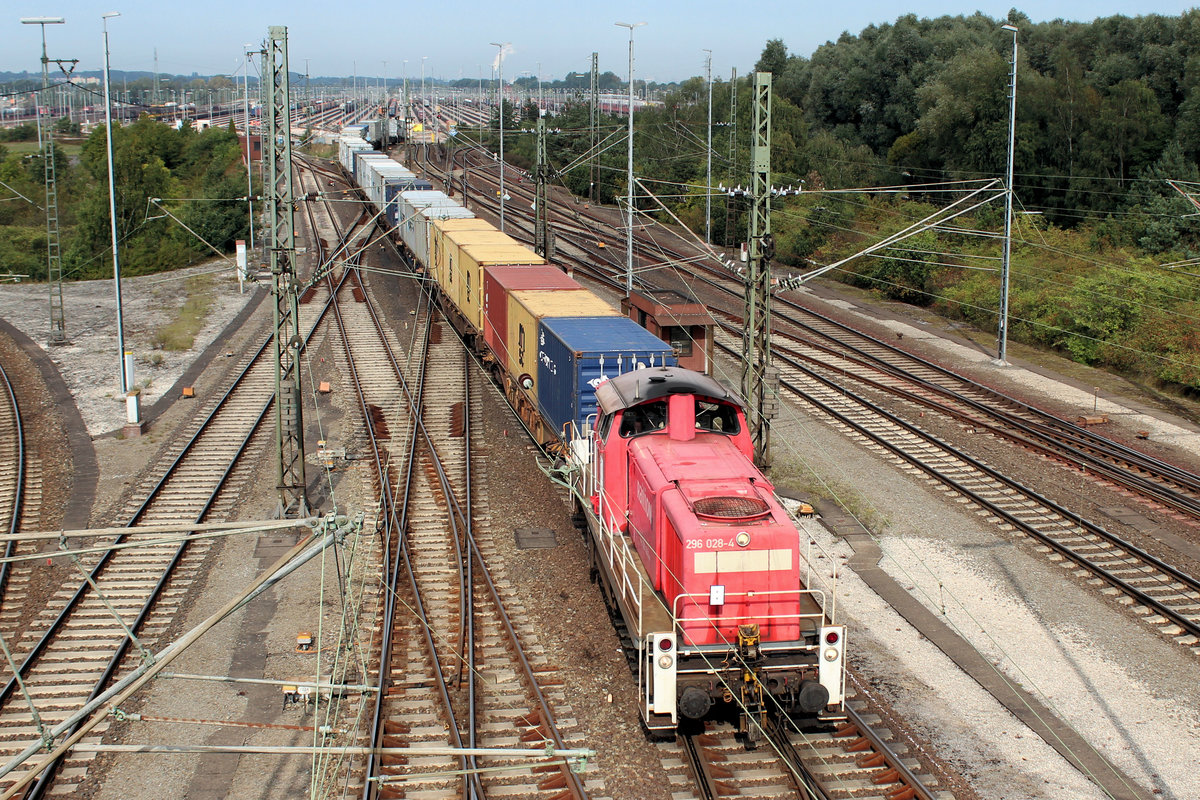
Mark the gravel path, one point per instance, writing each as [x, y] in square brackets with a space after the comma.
[89, 363]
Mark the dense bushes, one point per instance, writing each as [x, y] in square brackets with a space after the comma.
[202, 171]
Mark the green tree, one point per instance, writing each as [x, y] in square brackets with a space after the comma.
[1127, 132]
[774, 58]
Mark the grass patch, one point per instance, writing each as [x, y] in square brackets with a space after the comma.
[181, 333]
[800, 478]
[327, 151]
[72, 150]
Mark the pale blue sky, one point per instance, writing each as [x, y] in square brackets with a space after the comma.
[206, 36]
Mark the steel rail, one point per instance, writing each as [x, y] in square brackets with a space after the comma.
[19, 488]
[464, 514]
[1186, 623]
[45, 780]
[1013, 427]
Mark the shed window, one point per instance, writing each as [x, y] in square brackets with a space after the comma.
[680, 339]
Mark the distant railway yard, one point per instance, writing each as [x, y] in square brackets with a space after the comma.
[436, 507]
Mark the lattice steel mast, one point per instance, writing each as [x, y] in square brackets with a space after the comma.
[760, 379]
[543, 243]
[58, 321]
[289, 417]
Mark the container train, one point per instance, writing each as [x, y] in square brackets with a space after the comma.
[704, 570]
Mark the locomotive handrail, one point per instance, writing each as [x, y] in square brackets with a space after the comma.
[812, 575]
[619, 555]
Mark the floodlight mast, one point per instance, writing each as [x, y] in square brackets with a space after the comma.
[629, 167]
[1006, 255]
[126, 377]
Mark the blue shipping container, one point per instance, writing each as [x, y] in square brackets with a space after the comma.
[577, 354]
[394, 187]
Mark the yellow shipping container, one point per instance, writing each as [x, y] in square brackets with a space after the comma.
[439, 230]
[454, 241]
[467, 272]
[527, 307]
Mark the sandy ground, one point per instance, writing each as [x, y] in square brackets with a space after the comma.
[89, 363]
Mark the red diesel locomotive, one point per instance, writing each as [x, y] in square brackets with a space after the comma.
[704, 566]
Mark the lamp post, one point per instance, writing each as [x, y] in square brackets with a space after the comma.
[500, 94]
[1002, 350]
[112, 212]
[423, 59]
[629, 168]
[249, 174]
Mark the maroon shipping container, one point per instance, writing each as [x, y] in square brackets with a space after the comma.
[498, 282]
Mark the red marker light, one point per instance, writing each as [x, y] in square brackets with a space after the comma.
[664, 644]
[831, 637]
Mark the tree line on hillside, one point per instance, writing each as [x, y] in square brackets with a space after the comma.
[1106, 112]
[201, 170]
[1099, 105]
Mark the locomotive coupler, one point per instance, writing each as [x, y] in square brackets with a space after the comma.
[753, 717]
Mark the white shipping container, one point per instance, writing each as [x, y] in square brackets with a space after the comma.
[413, 229]
[362, 167]
[422, 228]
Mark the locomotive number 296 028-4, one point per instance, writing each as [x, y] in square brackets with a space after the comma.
[709, 544]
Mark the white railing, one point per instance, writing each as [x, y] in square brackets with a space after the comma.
[813, 577]
[699, 601]
[587, 480]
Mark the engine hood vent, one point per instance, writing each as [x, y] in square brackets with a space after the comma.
[732, 508]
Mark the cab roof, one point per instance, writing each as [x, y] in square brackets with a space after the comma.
[643, 385]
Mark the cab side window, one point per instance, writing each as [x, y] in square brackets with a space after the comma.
[716, 417]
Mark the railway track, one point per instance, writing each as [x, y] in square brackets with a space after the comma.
[1170, 596]
[12, 471]
[448, 629]
[861, 759]
[82, 646]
